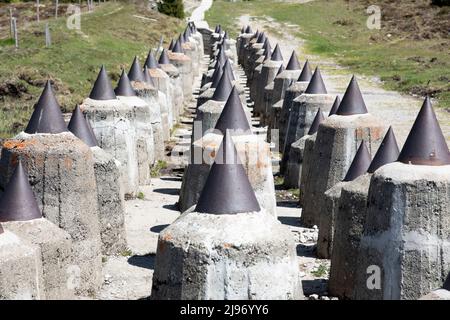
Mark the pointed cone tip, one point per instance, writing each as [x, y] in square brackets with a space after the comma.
[233, 116]
[360, 163]
[223, 88]
[316, 84]
[18, 202]
[293, 63]
[276, 54]
[47, 116]
[227, 189]
[425, 144]
[164, 58]
[352, 102]
[306, 74]
[387, 152]
[335, 106]
[124, 87]
[79, 126]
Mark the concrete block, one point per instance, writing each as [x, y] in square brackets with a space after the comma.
[113, 123]
[294, 164]
[110, 202]
[55, 247]
[252, 257]
[348, 223]
[61, 171]
[20, 269]
[406, 232]
[306, 165]
[338, 139]
[184, 65]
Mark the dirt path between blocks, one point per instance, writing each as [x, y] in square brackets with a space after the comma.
[396, 109]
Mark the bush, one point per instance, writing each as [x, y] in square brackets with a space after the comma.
[174, 8]
[441, 2]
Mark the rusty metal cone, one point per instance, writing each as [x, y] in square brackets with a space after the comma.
[335, 106]
[233, 116]
[223, 88]
[47, 116]
[135, 73]
[306, 73]
[360, 163]
[18, 202]
[276, 54]
[425, 144]
[293, 63]
[79, 126]
[387, 152]
[316, 122]
[124, 87]
[316, 85]
[352, 101]
[227, 189]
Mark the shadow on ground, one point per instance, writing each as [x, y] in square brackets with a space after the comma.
[147, 261]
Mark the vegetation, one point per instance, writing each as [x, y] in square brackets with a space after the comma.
[111, 35]
[173, 8]
[141, 196]
[411, 51]
[321, 271]
[157, 167]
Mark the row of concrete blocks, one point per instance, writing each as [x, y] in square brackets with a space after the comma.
[398, 230]
[228, 243]
[80, 189]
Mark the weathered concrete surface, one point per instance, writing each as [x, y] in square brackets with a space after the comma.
[254, 153]
[164, 85]
[149, 126]
[306, 166]
[184, 65]
[113, 124]
[294, 163]
[61, 171]
[438, 294]
[110, 197]
[268, 72]
[56, 254]
[301, 116]
[407, 232]
[338, 139]
[177, 94]
[20, 269]
[296, 89]
[282, 82]
[345, 226]
[253, 257]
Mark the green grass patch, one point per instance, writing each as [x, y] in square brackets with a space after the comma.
[337, 29]
[111, 35]
[321, 271]
[141, 195]
[155, 170]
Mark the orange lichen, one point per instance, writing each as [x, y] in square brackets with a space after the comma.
[18, 144]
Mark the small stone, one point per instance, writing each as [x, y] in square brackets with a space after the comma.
[313, 297]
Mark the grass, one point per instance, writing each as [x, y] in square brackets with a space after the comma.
[321, 271]
[155, 170]
[141, 196]
[111, 35]
[338, 30]
[126, 253]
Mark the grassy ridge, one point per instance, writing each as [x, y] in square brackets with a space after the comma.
[337, 29]
[111, 35]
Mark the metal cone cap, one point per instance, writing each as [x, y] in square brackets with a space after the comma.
[352, 101]
[227, 189]
[233, 116]
[306, 73]
[227, 69]
[217, 75]
[425, 144]
[124, 87]
[151, 62]
[316, 85]
[147, 78]
[18, 202]
[223, 88]
[316, 122]
[276, 54]
[335, 106]
[248, 29]
[360, 163]
[135, 73]
[280, 70]
[171, 45]
[79, 126]
[177, 47]
[293, 63]
[47, 116]
[387, 152]
[164, 58]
